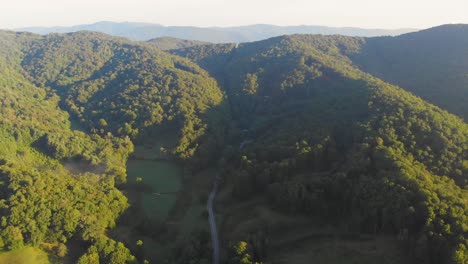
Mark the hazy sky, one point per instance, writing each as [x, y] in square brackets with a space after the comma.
[359, 13]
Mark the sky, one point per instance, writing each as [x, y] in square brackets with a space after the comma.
[355, 13]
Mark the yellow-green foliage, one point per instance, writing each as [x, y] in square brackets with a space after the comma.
[27, 255]
[42, 195]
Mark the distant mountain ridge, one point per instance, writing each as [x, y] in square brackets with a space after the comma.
[147, 31]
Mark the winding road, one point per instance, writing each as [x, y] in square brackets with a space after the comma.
[211, 216]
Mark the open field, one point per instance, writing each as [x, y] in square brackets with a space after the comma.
[341, 250]
[164, 180]
[27, 255]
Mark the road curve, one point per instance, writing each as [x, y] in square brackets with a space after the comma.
[211, 217]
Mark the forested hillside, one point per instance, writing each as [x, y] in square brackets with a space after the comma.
[127, 89]
[319, 137]
[169, 43]
[431, 63]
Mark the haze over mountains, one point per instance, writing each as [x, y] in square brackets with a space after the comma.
[147, 31]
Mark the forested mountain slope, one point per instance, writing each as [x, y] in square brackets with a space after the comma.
[128, 89]
[322, 138]
[430, 63]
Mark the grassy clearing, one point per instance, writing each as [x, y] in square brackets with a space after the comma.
[27, 255]
[190, 213]
[171, 219]
[161, 177]
[381, 250]
[186, 217]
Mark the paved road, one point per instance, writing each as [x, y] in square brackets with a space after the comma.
[213, 229]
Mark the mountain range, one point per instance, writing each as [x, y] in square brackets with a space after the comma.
[147, 31]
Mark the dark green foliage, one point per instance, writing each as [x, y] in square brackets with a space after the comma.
[210, 57]
[431, 63]
[169, 43]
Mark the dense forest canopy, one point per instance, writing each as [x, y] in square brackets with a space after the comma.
[170, 43]
[306, 125]
[127, 89]
[431, 63]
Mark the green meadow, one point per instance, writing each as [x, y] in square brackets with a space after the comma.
[27, 255]
[164, 180]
